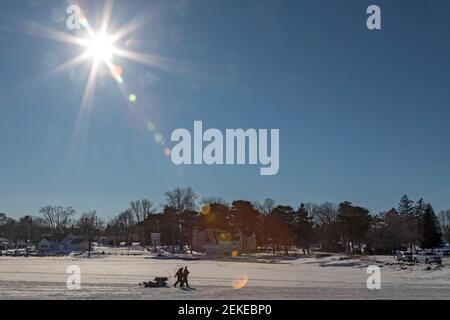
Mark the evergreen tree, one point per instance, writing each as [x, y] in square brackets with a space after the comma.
[386, 232]
[395, 231]
[282, 222]
[406, 210]
[406, 207]
[354, 223]
[304, 228]
[419, 209]
[244, 217]
[431, 236]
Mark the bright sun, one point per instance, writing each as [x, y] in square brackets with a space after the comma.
[100, 48]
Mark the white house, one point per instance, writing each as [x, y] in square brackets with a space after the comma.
[48, 244]
[62, 243]
[222, 243]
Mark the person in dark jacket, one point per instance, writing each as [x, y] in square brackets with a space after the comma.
[179, 276]
[185, 277]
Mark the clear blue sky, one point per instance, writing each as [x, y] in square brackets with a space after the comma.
[363, 115]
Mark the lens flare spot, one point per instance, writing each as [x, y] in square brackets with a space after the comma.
[116, 71]
[159, 138]
[167, 152]
[240, 282]
[132, 98]
[208, 214]
[84, 22]
[225, 236]
[150, 126]
[206, 209]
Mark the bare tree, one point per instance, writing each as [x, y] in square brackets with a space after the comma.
[7, 227]
[266, 207]
[24, 226]
[323, 214]
[147, 208]
[3, 222]
[213, 200]
[112, 229]
[141, 209]
[57, 218]
[325, 217]
[125, 223]
[181, 200]
[90, 225]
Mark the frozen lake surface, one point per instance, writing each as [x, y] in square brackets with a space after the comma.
[117, 277]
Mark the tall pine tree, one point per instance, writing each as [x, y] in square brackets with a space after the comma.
[354, 223]
[406, 212]
[419, 210]
[304, 228]
[406, 207]
[431, 236]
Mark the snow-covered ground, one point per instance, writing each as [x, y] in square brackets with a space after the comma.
[116, 276]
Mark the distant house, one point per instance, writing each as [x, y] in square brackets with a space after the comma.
[4, 243]
[223, 243]
[78, 244]
[62, 244]
[21, 244]
[50, 243]
[104, 241]
[46, 245]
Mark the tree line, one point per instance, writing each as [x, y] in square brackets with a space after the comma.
[343, 227]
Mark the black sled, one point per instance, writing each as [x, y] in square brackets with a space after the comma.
[158, 282]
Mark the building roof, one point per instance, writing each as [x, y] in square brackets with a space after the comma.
[64, 238]
[78, 241]
[56, 237]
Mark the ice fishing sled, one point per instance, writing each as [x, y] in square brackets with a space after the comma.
[158, 282]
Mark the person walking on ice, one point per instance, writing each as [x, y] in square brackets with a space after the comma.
[185, 277]
[179, 276]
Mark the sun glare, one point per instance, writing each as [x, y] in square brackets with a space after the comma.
[100, 48]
